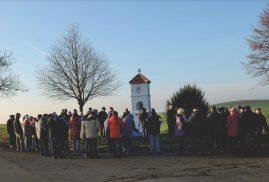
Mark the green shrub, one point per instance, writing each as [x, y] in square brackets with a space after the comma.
[189, 97]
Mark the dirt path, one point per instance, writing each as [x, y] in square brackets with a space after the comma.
[31, 167]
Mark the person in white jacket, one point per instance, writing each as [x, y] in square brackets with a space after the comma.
[90, 126]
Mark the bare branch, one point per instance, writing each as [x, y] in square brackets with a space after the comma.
[258, 64]
[76, 71]
[9, 82]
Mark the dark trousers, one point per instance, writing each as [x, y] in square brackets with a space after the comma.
[182, 144]
[44, 146]
[145, 134]
[28, 142]
[257, 140]
[247, 142]
[35, 144]
[76, 146]
[219, 143]
[232, 144]
[66, 143]
[128, 145]
[197, 144]
[91, 147]
[116, 146]
[12, 140]
[171, 130]
[102, 129]
[57, 147]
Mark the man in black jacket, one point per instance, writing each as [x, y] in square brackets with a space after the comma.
[247, 128]
[10, 131]
[260, 125]
[102, 116]
[171, 121]
[143, 119]
[196, 123]
[154, 124]
[57, 134]
[213, 122]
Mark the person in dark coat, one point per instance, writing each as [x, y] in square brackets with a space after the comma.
[247, 128]
[154, 125]
[213, 120]
[260, 125]
[102, 116]
[197, 125]
[65, 117]
[241, 112]
[143, 119]
[126, 112]
[171, 120]
[10, 131]
[19, 133]
[42, 134]
[127, 132]
[57, 135]
[220, 131]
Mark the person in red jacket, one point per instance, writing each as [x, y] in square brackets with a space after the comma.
[75, 125]
[232, 129]
[115, 125]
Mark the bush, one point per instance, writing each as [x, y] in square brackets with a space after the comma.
[189, 97]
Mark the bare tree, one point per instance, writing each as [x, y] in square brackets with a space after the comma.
[9, 82]
[76, 71]
[258, 64]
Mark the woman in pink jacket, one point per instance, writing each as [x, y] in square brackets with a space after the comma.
[232, 130]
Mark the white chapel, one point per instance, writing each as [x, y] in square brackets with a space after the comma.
[140, 93]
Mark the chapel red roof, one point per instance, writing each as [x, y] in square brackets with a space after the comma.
[139, 78]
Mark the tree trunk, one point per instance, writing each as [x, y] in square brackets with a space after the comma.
[81, 105]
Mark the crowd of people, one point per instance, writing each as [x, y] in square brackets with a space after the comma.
[51, 133]
[221, 130]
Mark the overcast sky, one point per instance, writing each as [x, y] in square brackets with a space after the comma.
[174, 43]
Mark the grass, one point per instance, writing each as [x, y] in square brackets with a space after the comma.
[3, 133]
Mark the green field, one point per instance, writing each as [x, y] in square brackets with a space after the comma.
[3, 133]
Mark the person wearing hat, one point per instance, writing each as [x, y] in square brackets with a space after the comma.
[180, 129]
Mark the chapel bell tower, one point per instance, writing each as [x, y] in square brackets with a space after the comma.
[140, 93]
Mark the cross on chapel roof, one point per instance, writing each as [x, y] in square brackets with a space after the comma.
[140, 78]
